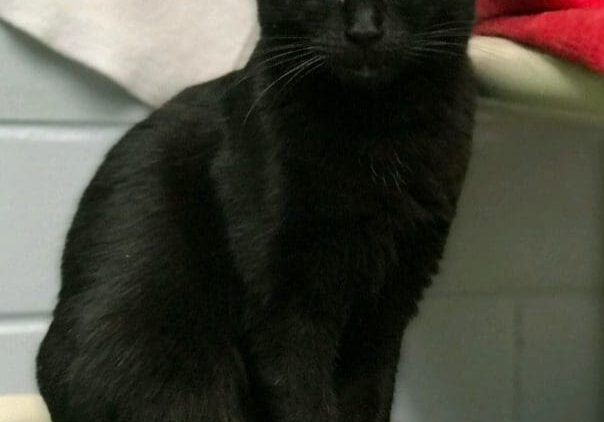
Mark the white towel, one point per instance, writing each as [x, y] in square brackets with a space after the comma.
[153, 48]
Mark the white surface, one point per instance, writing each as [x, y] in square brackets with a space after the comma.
[23, 408]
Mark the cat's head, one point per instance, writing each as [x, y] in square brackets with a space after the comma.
[367, 40]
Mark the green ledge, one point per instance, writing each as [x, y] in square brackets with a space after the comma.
[511, 73]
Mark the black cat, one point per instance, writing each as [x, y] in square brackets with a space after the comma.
[254, 250]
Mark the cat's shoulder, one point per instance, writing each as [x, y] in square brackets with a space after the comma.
[193, 119]
[207, 94]
[199, 107]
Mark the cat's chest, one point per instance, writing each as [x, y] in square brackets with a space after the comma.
[343, 169]
[380, 181]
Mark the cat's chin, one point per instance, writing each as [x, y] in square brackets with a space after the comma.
[364, 76]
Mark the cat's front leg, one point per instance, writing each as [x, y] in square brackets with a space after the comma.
[293, 345]
[369, 353]
[294, 367]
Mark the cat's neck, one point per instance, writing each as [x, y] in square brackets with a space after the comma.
[320, 111]
[321, 97]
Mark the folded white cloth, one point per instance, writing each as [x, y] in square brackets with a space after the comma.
[153, 48]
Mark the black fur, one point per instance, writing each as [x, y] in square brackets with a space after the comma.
[254, 249]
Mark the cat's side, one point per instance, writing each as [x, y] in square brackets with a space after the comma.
[254, 249]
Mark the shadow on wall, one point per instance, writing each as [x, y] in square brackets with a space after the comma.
[513, 328]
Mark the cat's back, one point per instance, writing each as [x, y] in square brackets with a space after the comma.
[145, 251]
[151, 195]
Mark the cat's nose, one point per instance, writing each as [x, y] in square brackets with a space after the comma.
[364, 24]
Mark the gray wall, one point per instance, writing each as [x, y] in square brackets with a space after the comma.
[512, 329]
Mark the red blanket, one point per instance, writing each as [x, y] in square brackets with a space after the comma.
[572, 29]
